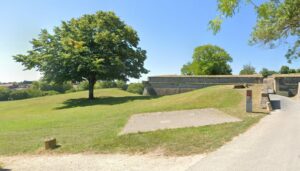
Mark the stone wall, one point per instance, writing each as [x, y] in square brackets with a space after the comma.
[286, 85]
[166, 85]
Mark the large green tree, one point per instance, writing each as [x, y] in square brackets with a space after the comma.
[277, 21]
[93, 47]
[208, 60]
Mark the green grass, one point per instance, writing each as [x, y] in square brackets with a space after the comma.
[81, 125]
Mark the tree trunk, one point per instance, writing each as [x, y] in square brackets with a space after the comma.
[92, 81]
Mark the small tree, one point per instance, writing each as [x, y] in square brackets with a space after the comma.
[208, 60]
[248, 70]
[284, 70]
[93, 47]
[265, 72]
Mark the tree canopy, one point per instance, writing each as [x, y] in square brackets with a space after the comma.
[93, 47]
[248, 70]
[277, 21]
[266, 72]
[208, 60]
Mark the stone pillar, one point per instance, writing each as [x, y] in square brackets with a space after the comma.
[249, 101]
[269, 106]
[264, 99]
[276, 85]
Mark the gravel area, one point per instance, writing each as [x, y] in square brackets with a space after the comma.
[98, 162]
[176, 119]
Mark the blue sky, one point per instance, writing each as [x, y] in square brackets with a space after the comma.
[169, 30]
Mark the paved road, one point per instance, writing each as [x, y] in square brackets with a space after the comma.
[273, 144]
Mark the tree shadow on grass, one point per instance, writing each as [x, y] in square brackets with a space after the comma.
[82, 102]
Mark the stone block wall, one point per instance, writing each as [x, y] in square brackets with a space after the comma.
[286, 84]
[166, 85]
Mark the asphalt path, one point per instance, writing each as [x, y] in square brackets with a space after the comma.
[272, 144]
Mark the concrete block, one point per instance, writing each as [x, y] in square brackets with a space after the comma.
[50, 144]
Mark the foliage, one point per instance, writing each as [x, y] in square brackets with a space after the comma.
[107, 84]
[248, 70]
[265, 72]
[19, 94]
[208, 60]
[51, 92]
[52, 86]
[136, 88]
[25, 93]
[288, 70]
[93, 47]
[277, 21]
[83, 85]
[121, 84]
[4, 93]
[284, 70]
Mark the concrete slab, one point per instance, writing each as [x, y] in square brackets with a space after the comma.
[176, 119]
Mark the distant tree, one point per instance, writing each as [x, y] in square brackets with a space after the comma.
[265, 72]
[292, 71]
[284, 70]
[136, 88]
[93, 47]
[208, 60]
[277, 21]
[187, 69]
[248, 70]
[298, 70]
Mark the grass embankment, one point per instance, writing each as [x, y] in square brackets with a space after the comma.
[81, 125]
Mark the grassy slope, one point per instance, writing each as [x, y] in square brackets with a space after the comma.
[92, 126]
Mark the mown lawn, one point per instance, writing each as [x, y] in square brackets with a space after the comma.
[81, 125]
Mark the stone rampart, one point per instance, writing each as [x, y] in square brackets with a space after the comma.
[173, 84]
[286, 84]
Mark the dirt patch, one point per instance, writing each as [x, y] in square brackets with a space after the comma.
[99, 162]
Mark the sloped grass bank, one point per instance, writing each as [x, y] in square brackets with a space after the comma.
[81, 125]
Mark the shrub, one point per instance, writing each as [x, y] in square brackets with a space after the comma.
[19, 94]
[107, 84]
[136, 88]
[34, 93]
[121, 85]
[50, 92]
[71, 90]
[4, 93]
[59, 87]
[83, 85]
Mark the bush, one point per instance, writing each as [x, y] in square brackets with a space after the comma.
[34, 93]
[4, 93]
[121, 85]
[71, 90]
[83, 85]
[19, 94]
[49, 93]
[136, 88]
[106, 84]
[45, 86]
